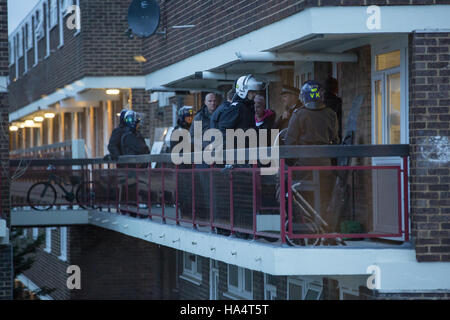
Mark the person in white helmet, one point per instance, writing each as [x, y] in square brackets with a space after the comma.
[240, 114]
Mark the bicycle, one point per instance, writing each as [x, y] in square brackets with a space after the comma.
[42, 195]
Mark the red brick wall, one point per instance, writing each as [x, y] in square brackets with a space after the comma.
[6, 283]
[101, 49]
[429, 125]
[115, 266]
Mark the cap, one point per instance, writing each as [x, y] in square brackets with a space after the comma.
[290, 90]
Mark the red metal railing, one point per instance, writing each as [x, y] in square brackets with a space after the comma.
[234, 201]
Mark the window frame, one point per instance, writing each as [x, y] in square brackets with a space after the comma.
[192, 274]
[240, 290]
[63, 243]
[381, 48]
[269, 288]
[306, 285]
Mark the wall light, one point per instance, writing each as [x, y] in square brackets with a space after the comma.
[13, 128]
[29, 123]
[113, 91]
[49, 115]
[38, 119]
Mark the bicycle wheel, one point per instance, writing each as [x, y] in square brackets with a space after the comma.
[41, 196]
[85, 195]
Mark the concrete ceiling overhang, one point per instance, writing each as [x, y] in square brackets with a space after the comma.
[266, 64]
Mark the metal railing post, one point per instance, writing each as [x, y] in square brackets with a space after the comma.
[282, 203]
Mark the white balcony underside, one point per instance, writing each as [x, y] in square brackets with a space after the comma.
[400, 272]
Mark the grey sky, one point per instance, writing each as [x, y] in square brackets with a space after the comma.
[17, 11]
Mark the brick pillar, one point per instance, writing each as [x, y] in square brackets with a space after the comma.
[140, 101]
[429, 119]
[6, 264]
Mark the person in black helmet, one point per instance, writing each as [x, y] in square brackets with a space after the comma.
[314, 124]
[184, 121]
[114, 147]
[132, 142]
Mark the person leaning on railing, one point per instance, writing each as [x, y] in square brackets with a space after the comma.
[313, 124]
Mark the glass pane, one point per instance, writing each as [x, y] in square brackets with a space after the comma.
[199, 264]
[187, 262]
[271, 279]
[295, 292]
[233, 275]
[312, 295]
[378, 113]
[393, 104]
[388, 60]
[248, 281]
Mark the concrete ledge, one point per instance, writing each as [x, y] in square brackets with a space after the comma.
[32, 218]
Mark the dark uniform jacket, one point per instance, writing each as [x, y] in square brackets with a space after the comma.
[313, 127]
[133, 143]
[114, 145]
[240, 114]
[335, 103]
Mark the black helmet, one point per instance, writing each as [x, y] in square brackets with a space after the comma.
[185, 117]
[311, 95]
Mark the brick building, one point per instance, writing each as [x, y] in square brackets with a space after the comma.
[396, 62]
[5, 247]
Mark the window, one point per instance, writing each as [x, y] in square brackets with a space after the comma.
[192, 267]
[303, 289]
[65, 6]
[39, 25]
[48, 240]
[20, 43]
[35, 233]
[270, 288]
[389, 112]
[240, 282]
[11, 52]
[53, 14]
[63, 243]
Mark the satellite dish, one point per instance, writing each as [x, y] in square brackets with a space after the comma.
[143, 17]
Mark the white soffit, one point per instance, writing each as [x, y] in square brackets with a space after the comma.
[72, 90]
[324, 20]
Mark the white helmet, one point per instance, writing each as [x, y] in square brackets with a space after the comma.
[248, 83]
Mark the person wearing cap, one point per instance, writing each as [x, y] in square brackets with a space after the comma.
[290, 101]
[114, 146]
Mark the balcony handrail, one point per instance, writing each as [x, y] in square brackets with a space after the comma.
[43, 148]
[285, 152]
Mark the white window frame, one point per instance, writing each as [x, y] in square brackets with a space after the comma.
[53, 13]
[30, 40]
[63, 243]
[65, 4]
[16, 56]
[239, 291]
[191, 274]
[25, 51]
[35, 40]
[348, 291]
[35, 233]
[39, 27]
[46, 10]
[61, 23]
[11, 51]
[48, 240]
[20, 43]
[269, 288]
[381, 48]
[306, 285]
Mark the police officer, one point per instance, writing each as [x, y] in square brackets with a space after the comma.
[133, 143]
[114, 145]
[314, 124]
[290, 101]
[240, 114]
